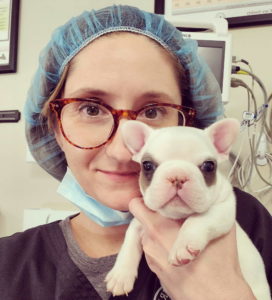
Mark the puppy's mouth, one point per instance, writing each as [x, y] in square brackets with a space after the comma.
[176, 201]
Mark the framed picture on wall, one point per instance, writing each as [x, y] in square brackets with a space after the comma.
[9, 20]
[237, 12]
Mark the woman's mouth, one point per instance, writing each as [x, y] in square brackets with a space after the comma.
[119, 176]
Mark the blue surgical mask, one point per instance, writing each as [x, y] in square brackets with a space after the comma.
[99, 213]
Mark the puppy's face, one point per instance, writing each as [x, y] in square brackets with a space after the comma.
[179, 165]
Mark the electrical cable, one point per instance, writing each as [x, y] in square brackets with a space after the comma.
[237, 59]
[236, 82]
[248, 118]
[245, 72]
[264, 108]
[269, 119]
[245, 170]
[236, 160]
[250, 160]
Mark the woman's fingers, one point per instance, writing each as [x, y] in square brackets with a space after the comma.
[142, 213]
[151, 220]
[161, 230]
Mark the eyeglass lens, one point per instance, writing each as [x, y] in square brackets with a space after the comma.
[89, 124]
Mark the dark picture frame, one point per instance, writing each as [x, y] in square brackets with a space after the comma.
[9, 45]
[261, 18]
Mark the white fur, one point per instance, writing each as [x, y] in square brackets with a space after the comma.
[209, 209]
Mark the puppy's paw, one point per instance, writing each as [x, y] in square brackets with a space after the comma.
[179, 256]
[192, 251]
[120, 282]
[182, 254]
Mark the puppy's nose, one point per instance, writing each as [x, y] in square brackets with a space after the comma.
[177, 182]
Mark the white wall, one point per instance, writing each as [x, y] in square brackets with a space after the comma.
[253, 44]
[25, 185]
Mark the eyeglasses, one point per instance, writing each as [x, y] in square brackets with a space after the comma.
[89, 123]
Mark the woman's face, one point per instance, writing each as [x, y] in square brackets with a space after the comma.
[126, 71]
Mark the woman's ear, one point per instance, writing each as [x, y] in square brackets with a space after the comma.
[135, 134]
[223, 135]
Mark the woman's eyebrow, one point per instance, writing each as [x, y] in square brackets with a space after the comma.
[145, 96]
[157, 95]
[83, 92]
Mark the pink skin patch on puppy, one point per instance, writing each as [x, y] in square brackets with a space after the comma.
[193, 252]
[182, 262]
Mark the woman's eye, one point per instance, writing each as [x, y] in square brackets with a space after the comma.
[92, 110]
[153, 112]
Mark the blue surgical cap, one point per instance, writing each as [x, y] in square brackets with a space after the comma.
[80, 31]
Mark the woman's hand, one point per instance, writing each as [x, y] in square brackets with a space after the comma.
[214, 275]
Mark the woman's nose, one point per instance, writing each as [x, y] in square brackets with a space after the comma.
[116, 148]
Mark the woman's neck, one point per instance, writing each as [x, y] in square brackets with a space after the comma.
[97, 241]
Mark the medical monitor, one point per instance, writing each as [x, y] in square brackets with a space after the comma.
[214, 45]
[216, 51]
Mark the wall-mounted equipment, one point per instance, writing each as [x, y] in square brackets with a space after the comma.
[9, 116]
[214, 45]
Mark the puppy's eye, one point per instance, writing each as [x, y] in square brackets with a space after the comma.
[208, 166]
[149, 166]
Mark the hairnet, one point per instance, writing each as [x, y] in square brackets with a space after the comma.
[70, 38]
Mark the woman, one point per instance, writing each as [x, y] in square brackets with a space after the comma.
[100, 69]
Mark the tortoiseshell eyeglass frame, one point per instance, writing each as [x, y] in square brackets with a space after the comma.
[57, 105]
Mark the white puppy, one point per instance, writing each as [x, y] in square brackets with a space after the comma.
[180, 179]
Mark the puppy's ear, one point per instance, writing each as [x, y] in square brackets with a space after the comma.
[223, 135]
[135, 134]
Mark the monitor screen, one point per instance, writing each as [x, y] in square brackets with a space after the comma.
[213, 53]
[214, 45]
[216, 51]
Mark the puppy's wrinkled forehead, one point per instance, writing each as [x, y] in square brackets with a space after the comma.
[179, 143]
